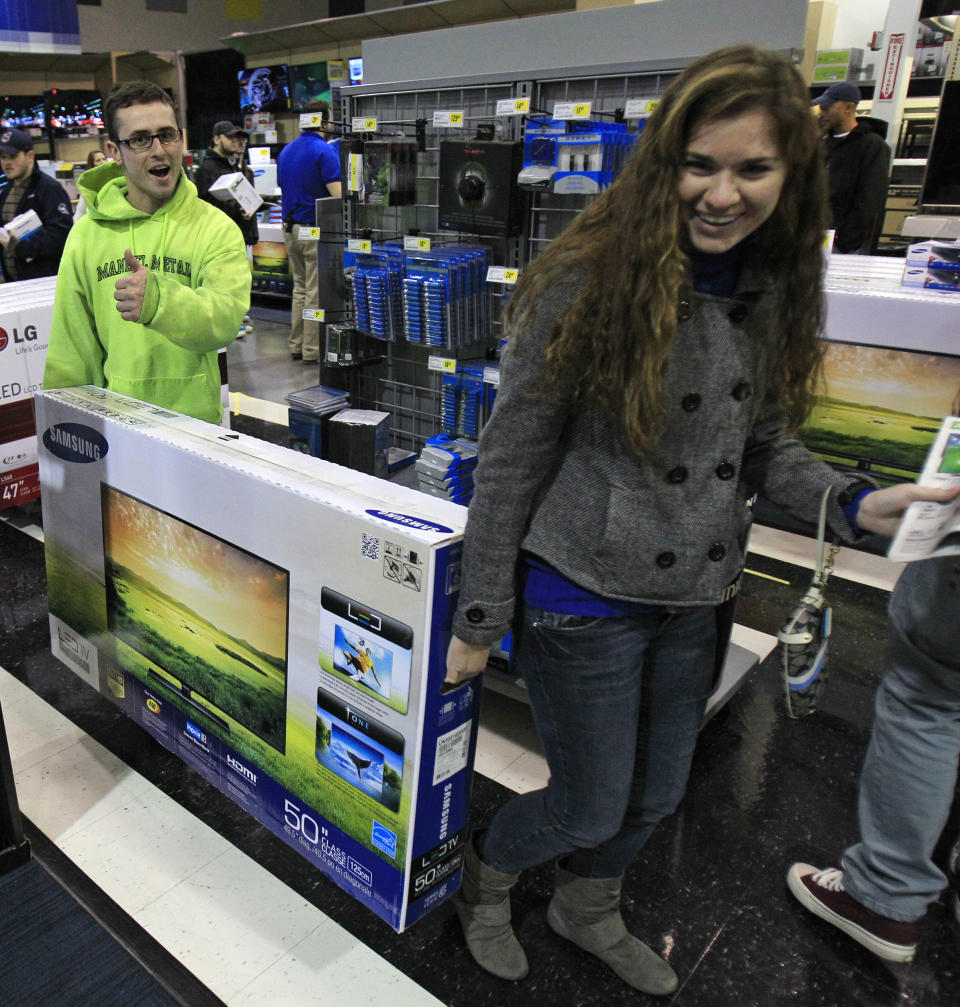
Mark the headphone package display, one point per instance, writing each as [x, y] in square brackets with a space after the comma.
[389, 172]
[478, 187]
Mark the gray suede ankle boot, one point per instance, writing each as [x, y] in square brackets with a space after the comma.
[587, 912]
[483, 905]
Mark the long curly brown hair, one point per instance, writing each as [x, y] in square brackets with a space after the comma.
[629, 246]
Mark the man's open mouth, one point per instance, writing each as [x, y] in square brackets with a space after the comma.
[160, 171]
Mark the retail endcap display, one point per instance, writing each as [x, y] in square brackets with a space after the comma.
[26, 313]
[295, 662]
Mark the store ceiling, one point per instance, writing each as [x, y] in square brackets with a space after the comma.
[86, 63]
[394, 21]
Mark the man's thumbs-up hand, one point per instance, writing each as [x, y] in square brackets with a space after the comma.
[130, 288]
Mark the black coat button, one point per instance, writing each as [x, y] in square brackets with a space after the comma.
[666, 559]
[684, 309]
[677, 475]
[717, 551]
[742, 391]
[474, 615]
[725, 470]
[738, 313]
[691, 402]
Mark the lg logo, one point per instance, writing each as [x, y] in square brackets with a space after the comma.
[29, 335]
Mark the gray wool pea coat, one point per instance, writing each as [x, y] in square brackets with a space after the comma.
[669, 529]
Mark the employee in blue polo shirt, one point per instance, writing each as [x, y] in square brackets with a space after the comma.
[307, 169]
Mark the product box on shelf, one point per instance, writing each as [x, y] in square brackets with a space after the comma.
[360, 439]
[26, 310]
[478, 191]
[279, 623]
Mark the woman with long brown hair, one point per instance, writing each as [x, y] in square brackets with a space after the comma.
[660, 351]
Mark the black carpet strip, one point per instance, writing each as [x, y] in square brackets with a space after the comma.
[65, 942]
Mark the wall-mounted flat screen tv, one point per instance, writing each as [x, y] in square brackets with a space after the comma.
[22, 112]
[74, 112]
[308, 82]
[208, 618]
[881, 408]
[264, 89]
[355, 67]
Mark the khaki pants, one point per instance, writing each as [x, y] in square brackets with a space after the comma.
[302, 259]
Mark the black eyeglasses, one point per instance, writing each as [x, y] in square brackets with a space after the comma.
[144, 141]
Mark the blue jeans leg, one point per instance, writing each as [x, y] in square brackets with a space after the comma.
[910, 773]
[618, 704]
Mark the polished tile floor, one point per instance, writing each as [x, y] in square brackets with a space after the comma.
[257, 925]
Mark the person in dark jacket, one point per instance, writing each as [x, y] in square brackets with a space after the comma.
[858, 166]
[25, 188]
[225, 157]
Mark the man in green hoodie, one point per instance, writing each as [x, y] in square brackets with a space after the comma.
[153, 281]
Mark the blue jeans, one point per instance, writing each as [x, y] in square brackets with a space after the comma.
[910, 774]
[618, 704]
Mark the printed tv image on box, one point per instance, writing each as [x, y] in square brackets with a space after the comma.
[200, 617]
[881, 408]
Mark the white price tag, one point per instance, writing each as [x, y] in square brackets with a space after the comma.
[446, 364]
[359, 245]
[359, 124]
[414, 243]
[308, 233]
[491, 376]
[500, 274]
[513, 106]
[311, 120]
[572, 110]
[636, 108]
[314, 314]
[446, 118]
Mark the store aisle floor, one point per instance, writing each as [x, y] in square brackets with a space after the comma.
[258, 925]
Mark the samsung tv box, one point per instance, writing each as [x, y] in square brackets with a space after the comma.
[279, 623]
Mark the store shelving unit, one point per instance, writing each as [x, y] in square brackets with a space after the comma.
[402, 383]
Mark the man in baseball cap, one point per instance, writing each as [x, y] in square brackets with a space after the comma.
[858, 165]
[843, 90]
[224, 156]
[26, 188]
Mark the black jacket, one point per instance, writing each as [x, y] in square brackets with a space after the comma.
[39, 255]
[859, 170]
[212, 168]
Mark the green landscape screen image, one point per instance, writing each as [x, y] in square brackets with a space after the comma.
[881, 408]
[207, 613]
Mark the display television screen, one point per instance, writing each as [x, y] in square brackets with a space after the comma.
[209, 617]
[22, 112]
[308, 82]
[264, 89]
[881, 408]
[72, 112]
[355, 64]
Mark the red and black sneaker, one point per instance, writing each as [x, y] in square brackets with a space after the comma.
[822, 893]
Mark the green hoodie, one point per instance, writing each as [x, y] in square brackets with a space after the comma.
[197, 292]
